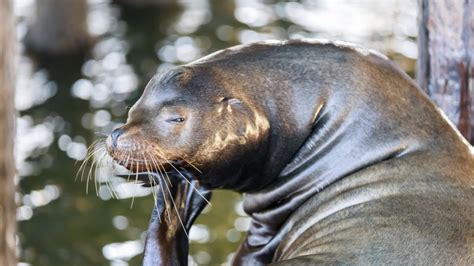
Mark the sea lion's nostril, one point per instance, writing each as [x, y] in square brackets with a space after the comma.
[115, 135]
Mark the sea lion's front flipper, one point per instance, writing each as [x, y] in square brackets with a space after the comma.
[167, 238]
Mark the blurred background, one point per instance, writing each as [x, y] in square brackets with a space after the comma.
[83, 64]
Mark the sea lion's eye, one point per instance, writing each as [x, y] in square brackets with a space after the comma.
[176, 120]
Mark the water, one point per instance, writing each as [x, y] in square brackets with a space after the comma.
[65, 103]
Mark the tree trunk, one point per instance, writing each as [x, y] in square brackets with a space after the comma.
[7, 134]
[445, 67]
[59, 27]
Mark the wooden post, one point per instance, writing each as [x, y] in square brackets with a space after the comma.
[145, 3]
[445, 66]
[59, 27]
[7, 135]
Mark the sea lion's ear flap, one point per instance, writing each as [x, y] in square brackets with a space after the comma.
[234, 104]
[230, 100]
[231, 103]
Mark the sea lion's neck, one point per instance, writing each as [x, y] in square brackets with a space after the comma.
[348, 124]
[340, 143]
[347, 135]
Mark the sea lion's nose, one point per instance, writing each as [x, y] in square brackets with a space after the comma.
[115, 136]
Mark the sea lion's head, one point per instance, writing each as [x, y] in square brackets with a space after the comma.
[189, 118]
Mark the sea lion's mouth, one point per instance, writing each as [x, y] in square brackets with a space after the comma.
[142, 171]
[147, 170]
[143, 161]
[136, 166]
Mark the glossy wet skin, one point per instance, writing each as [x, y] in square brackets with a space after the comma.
[173, 126]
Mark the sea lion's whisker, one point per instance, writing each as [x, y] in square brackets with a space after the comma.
[147, 167]
[107, 184]
[96, 181]
[161, 155]
[150, 178]
[127, 162]
[163, 186]
[189, 182]
[93, 145]
[158, 166]
[109, 180]
[87, 181]
[91, 170]
[97, 149]
[177, 212]
[101, 134]
[135, 164]
[190, 164]
[163, 173]
[154, 188]
[82, 168]
[133, 200]
[162, 191]
[86, 160]
[155, 164]
[166, 174]
[99, 153]
[135, 181]
[183, 157]
[89, 175]
[98, 172]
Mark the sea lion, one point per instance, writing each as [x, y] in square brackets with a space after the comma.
[340, 157]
